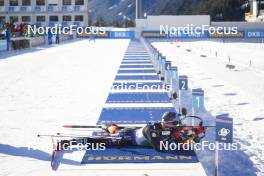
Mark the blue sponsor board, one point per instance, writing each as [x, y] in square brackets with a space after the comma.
[205, 34]
[221, 34]
[111, 35]
[178, 34]
[122, 34]
[86, 35]
[153, 34]
[135, 154]
[188, 34]
[224, 128]
[254, 34]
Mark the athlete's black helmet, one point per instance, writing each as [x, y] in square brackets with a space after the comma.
[169, 117]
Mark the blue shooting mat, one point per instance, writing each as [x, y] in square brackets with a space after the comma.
[139, 97]
[132, 115]
[135, 154]
[137, 77]
[137, 62]
[137, 71]
[136, 66]
[139, 85]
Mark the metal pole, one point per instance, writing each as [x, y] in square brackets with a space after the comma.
[216, 160]
[258, 7]
[138, 9]
[193, 115]
[180, 101]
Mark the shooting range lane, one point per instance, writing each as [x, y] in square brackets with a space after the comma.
[135, 106]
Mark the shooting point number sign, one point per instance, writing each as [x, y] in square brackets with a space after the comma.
[198, 99]
[183, 82]
[168, 65]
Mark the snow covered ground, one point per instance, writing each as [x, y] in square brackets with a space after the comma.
[238, 92]
[42, 89]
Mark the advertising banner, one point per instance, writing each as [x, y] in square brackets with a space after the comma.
[224, 128]
[254, 34]
[86, 35]
[240, 34]
[153, 34]
[122, 34]
[188, 34]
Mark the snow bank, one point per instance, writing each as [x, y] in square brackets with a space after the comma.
[238, 92]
